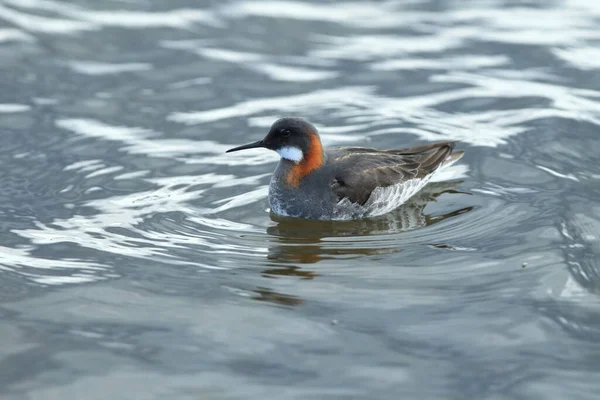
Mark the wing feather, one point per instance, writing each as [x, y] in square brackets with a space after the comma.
[360, 170]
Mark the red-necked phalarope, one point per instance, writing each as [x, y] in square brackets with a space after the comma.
[344, 182]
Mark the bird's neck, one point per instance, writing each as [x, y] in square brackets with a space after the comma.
[312, 160]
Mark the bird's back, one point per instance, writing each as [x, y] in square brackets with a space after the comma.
[358, 171]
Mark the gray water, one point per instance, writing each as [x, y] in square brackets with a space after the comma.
[138, 261]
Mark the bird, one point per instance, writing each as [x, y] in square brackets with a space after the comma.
[342, 183]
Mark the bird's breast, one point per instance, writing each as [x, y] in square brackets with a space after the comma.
[311, 199]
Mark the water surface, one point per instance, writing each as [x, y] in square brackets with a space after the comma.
[138, 261]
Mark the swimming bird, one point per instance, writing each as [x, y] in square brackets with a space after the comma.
[314, 182]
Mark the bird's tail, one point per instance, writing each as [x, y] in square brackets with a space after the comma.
[452, 158]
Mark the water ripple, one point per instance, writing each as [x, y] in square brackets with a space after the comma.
[115, 186]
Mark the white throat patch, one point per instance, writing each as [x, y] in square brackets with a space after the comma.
[291, 153]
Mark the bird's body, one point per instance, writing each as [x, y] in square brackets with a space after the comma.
[344, 182]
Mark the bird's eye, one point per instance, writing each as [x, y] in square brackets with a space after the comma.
[285, 133]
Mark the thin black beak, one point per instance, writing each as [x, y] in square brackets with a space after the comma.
[254, 145]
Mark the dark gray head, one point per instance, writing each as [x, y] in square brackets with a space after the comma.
[295, 139]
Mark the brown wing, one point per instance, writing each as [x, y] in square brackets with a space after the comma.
[360, 170]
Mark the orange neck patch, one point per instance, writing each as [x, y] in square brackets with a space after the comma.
[312, 160]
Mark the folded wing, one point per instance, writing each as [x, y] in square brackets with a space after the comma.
[360, 170]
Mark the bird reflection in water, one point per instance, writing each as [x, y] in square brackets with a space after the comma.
[296, 241]
[266, 294]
